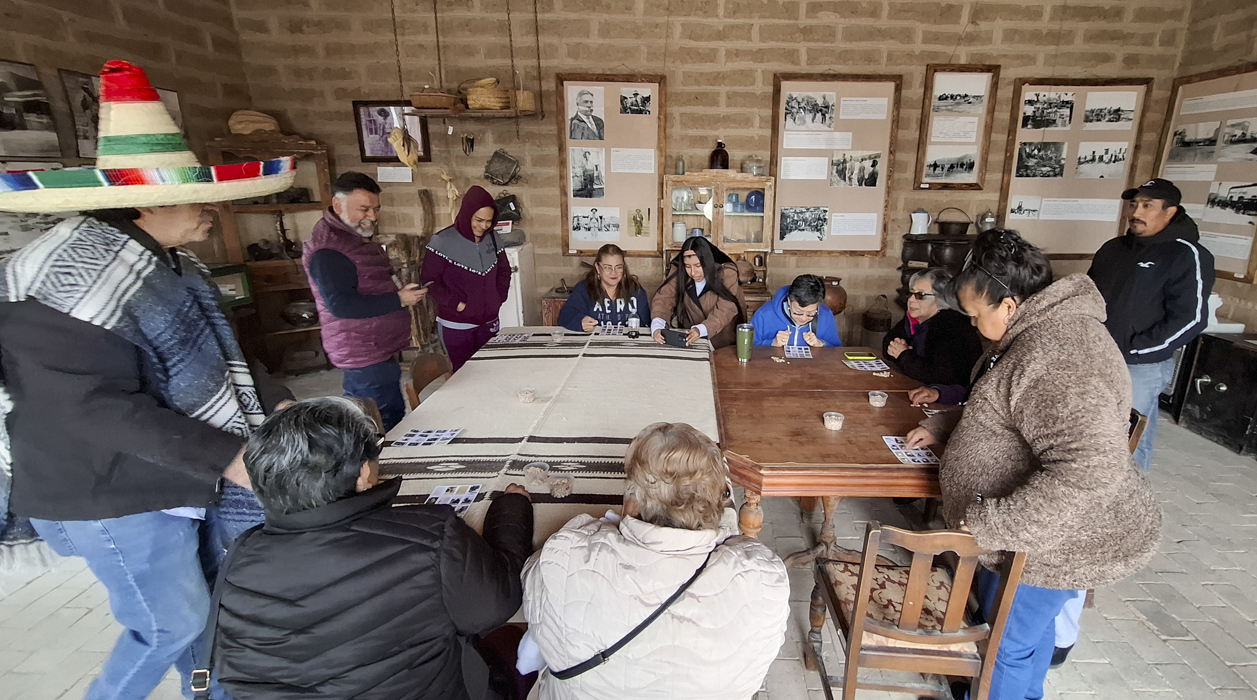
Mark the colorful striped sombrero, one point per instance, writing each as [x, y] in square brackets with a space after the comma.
[142, 161]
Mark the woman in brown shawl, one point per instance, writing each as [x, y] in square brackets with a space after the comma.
[701, 295]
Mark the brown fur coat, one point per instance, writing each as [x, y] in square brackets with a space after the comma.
[1043, 440]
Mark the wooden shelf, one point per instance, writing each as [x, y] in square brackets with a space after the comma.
[276, 208]
[471, 113]
[291, 331]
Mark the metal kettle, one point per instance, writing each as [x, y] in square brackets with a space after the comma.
[921, 221]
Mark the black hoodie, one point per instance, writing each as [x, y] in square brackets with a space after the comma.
[1156, 289]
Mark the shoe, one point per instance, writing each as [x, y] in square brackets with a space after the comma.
[1060, 655]
[960, 690]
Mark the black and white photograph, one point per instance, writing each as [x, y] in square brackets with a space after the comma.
[855, 169]
[170, 99]
[960, 93]
[1024, 206]
[26, 125]
[950, 164]
[586, 111]
[1047, 110]
[595, 224]
[1109, 111]
[1101, 160]
[1040, 159]
[1194, 143]
[803, 223]
[82, 92]
[376, 120]
[1239, 141]
[1232, 203]
[810, 111]
[588, 168]
[635, 100]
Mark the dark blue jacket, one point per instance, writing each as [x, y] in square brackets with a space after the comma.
[608, 312]
[773, 317]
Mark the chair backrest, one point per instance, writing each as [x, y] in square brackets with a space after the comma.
[1138, 423]
[925, 546]
[426, 369]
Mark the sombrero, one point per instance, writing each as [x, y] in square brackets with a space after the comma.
[142, 161]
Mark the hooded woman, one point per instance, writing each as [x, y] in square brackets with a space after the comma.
[700, 294]
[469, 277]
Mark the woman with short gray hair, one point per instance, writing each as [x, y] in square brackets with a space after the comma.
[342, 593]
[933, 344]
[594, 581]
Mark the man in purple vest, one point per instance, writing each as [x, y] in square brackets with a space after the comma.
[361, 309]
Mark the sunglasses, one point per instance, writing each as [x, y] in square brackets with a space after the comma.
[921, 296]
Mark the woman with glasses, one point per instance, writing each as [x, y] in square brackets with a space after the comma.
[1038, 461]
[932, 344]
[797, 315]
[700, 295]
[610, 295]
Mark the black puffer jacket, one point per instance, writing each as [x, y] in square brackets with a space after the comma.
[942, 351]
[358, 599]
[1156, 289]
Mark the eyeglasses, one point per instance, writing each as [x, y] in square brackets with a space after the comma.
[798, 311]
[920, 296]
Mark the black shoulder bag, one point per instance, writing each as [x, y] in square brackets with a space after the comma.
[201, 674]
[601, 657]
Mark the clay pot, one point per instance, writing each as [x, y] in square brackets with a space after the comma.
[835, 295]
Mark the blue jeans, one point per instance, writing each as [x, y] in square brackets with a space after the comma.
[380, 382]
[1069, 622]
[1025, 652]
[148, 563]
[1147, 383]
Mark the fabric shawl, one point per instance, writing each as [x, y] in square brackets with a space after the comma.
[457, 243]
[96, 273]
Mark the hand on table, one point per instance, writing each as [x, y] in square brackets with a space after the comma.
[811, 339]
[780, 340]
[658, 336]
[920, 437]
[236, 473]
[516, 488]
[923, 395]
[896, 347]
[692, 336]
[411, 294]
[588, 323]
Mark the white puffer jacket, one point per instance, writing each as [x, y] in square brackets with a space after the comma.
[594, 581]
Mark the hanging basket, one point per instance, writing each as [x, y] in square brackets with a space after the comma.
[488, 98]
[525, 101]
[433, 100]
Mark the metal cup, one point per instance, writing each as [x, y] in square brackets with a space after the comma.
[746, 340]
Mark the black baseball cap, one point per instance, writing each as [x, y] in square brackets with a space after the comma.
[1156, 188]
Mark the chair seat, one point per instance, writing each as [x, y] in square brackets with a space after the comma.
[886, 604]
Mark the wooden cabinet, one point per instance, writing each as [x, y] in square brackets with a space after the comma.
[1221, 392]
[276, 283]
[921, 251]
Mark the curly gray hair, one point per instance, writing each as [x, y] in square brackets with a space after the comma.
[940, 279]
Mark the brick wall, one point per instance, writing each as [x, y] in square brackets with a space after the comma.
[186, 45]
[1222, 34]
[306, 59]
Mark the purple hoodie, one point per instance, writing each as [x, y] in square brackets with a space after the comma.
[465, 271]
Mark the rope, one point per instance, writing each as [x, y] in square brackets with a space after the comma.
[436, 29]
[397, 53]
[536, 35]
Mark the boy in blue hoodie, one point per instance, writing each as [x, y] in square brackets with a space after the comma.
[797, 315]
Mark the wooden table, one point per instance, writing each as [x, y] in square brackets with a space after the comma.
[777, 444]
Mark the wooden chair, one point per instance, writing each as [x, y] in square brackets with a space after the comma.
[372, 410]
[426, 369]
[1138, 424]
[919, 620]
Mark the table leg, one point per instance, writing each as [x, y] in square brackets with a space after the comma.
[816, 620]
[807, 504]
[825, 541]
[750, 515]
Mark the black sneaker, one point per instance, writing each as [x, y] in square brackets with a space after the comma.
[1060, 655]
[960, 690]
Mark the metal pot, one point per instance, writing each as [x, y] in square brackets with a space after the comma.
[953, 228]
[301, 314]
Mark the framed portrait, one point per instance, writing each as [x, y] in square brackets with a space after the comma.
[27, 129]
[376, 119]
[82, 93]
[956, 115]
[1209, 150]
[1071, 148]
[832, 149]
[611, 145]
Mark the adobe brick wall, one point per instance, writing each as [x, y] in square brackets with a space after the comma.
[186, 45]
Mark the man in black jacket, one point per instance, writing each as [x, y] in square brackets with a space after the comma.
[1156, 281]
[342, 595]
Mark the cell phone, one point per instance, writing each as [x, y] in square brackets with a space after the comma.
[674, 338]
[854, 356]
[429, 283]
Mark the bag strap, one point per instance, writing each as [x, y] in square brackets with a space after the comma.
[601, 657]
[201, 674]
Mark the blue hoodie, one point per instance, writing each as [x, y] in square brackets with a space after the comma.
[774, 317]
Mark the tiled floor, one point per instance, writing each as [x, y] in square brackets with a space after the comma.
[1183, 628]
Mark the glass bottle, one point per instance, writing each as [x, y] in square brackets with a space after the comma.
[719, 157]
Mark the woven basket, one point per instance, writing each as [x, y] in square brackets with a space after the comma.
[488, 98]
[433, 100]
[525, 100]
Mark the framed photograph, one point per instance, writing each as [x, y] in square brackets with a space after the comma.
[956, 115]
[832, 149]
[27, 129]
[1209, 150]
[611, 146]
[376, 119]
[82, 93]
[1071, 146]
